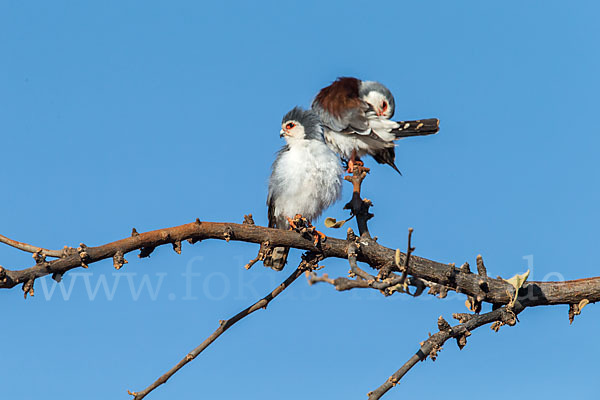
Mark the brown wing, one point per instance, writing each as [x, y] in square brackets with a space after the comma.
[340, 108]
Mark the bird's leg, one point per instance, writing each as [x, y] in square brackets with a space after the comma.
[318, 236]
[296, 222]
[354, 161]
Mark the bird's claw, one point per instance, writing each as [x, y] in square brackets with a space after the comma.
[318, 236]
[297, 222]
[304, 227]
[353, 164]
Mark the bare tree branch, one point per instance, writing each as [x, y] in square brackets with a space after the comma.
[30, 248]
[397, 271]
[499, 291]
[308, 263]
[433, 344]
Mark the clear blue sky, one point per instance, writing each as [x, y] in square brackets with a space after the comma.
[145, 114]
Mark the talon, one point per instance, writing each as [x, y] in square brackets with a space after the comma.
[319, 236]
[292, 224]
[297, 222]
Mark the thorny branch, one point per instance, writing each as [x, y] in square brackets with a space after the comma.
[397, 271]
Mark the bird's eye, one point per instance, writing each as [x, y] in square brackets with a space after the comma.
[384, 106]
[289, 125]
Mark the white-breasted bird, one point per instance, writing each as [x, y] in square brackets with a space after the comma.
[356, 119]
[306, 176]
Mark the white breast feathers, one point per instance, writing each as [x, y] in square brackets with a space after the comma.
[306, 180]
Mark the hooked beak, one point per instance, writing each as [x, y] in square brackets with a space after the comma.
[282, 133]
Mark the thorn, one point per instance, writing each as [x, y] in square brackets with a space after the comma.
[461, 341]
[198, 221]
[465, 268]
[28, 288]
[119, 260]
[480, 267]
[134, 232]
[177, 246]
[443, 325]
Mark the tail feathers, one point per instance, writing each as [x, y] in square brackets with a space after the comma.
[420, 127]
[387, 156]
[277, 259]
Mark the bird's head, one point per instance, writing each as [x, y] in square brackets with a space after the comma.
[299, 124]
[379, 97]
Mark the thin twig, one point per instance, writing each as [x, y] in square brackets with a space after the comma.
[433, 344]
[30, 248]
[409, 250]
[305, 265]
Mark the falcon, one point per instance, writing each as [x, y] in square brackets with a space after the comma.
[306, 177]
[356, 116]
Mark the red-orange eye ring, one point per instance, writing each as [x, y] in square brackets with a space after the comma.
[289, 125]
[384, 106]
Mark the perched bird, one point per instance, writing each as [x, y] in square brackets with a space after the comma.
[356, 116]
[306, 177]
